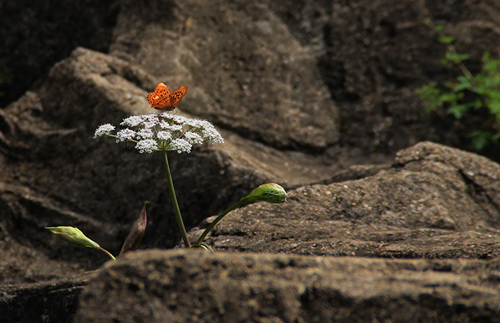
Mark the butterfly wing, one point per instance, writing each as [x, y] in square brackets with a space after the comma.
[160, 98]
[177, 95]
[162, 90]
[152, 98]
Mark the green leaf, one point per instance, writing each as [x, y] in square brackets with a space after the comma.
[439, 27]
[462, 86]
[431, 95]
[456, 58]
[449, 97]
[457, 110]
[463, 83]
[494, 107]
[477, 104]
[480, 139]
[479, 89]
[446, 40]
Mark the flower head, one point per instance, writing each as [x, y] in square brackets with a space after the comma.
[181, 145]
[146, 146]
[163, 132]
[104, 130]
[132, 121]
[125, 134]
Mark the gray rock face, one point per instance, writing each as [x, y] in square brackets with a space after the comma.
[198, 286]
[35, 37]
[315, 95]
[433, 202]
[245, 70]
[41, 302]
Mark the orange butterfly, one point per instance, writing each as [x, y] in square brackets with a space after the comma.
[162, 98]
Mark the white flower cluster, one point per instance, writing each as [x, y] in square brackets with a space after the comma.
[163, 132]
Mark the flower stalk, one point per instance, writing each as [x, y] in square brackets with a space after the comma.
[272, 193]
[198, 243]
[162, 133]
[175, 204]
[107, 252]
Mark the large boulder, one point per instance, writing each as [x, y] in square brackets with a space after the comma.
[198, 286]
[433, 202]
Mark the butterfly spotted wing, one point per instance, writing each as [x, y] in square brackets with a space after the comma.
[177, 95]
[162, 98]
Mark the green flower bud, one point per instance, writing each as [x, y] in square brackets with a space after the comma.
[75, 236]
[272, 193]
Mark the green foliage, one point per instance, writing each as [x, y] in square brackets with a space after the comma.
[467, 92]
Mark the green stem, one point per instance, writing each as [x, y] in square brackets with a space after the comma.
[177, 211]
[214, 222]
[107, 252]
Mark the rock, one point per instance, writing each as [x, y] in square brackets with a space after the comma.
[23, 264]
[36, 37]
[433, 202]
[336, 73]
[41, 302]
[245, 70]
[187, 285]
[304, 92]
[376, 54]
[56, 174]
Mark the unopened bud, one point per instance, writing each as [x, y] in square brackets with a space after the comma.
[75, 236]
[272, 193]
